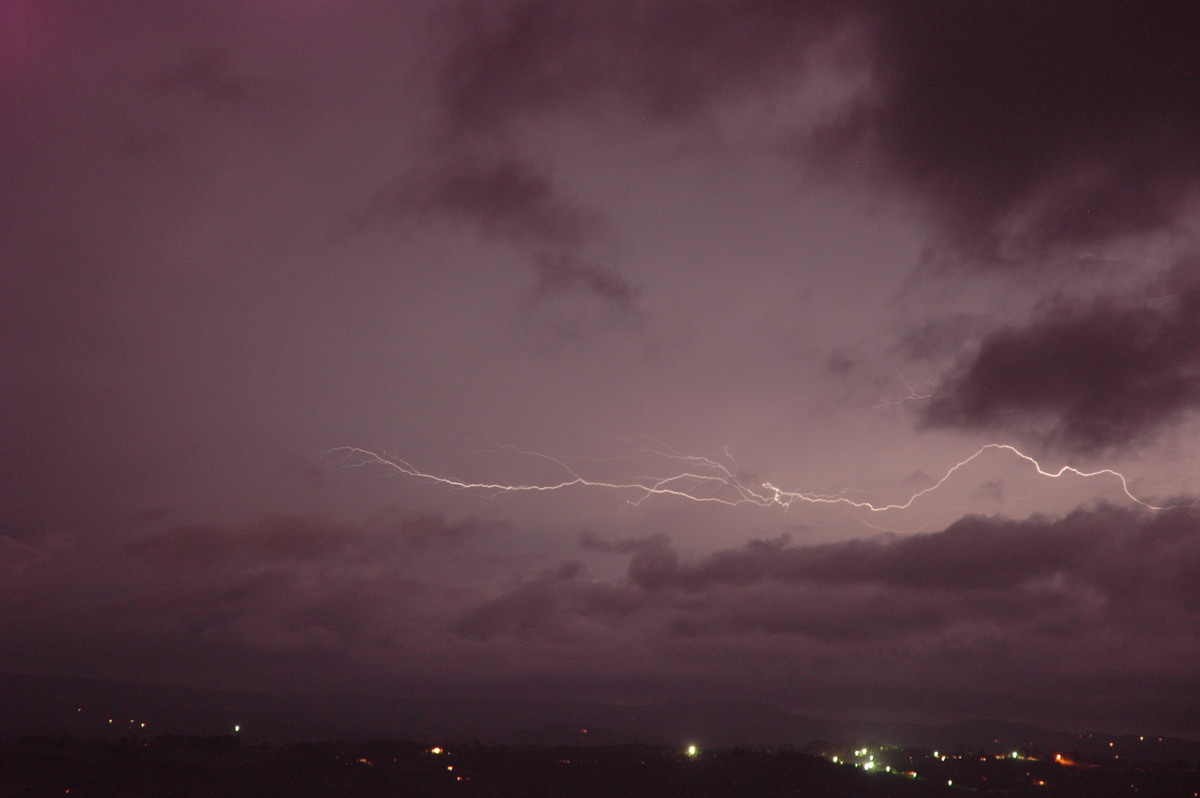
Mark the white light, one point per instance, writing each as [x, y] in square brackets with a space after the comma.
[236, 728]
[691, 750]
[713, 473]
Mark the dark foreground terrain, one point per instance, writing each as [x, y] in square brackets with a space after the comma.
[182, 766]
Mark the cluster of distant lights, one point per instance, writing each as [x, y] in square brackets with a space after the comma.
[438, 750]
[864, 759]
[138, 725]
[134, 723]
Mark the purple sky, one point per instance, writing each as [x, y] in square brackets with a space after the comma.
[833, 246]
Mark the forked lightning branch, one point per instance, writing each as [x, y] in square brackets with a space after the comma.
[703, 479]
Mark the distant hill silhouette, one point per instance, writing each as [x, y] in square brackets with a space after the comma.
[48, 705]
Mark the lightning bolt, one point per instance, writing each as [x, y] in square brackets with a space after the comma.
[703, 479]
[911, 396]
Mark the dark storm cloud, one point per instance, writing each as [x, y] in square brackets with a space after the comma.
[832, 615]
[969, 554]
[1083, 379]
[511, 199]
[670, 60]
[553, 606]
[1023, 125]
[562, 273]
[532, 609]
[1043, 607]
[1040, 611]
[1126, 556]
[593, 542]
[505, 198]
[205, 597]
[1039, 123]
[654, 566]
[1092, 571]
[941, 337]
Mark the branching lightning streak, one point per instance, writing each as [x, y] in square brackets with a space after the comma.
[911, 396]
[706, 480]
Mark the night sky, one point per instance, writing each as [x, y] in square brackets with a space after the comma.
[830, 247]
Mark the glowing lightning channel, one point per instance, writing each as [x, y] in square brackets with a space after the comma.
[911, 396]
[708, 480]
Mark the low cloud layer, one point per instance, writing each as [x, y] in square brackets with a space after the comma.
[1102, 550]
[187, 599]
[1040, 605]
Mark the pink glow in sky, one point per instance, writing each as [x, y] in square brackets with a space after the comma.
[835, 248]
